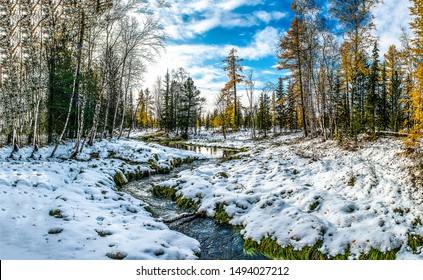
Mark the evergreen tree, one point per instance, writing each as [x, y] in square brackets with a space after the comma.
[383, 108]
[264, 118]
[190, 102]
[357, 21]
[167, 103]
[281, 108]
[371, 99]
[394, 87]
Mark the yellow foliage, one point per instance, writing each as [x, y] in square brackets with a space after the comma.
[416, 94]
[416, 98]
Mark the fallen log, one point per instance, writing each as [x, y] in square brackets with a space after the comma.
[185, 215]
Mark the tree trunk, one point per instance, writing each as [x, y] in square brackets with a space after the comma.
[75, 82]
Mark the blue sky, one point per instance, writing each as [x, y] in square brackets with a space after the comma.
[201, 33]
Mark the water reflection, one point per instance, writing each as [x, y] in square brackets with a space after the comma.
[209, 152]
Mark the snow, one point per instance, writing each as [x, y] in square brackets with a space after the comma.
[84, 198]
[298, 192]
[290, 189]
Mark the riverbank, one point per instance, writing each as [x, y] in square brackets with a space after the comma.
[58, 208]
[297, 198]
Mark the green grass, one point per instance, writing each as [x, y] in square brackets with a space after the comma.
[314, 205]
[374, 254]
[56, 213]
[221, 216]
[271, 249]
[119, 179]
[416, 222]
[415, 241]
[186, 203]
[166, 192]
[222, 174]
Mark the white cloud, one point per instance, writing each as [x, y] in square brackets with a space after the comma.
[389, 17]
[264, 44]
[267, 17]
[186, 19]
[211, 78]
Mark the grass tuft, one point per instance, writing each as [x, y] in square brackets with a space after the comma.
[117, 255]
[314, 206]
[221, 216]
[119, 179]
[55, 230]
[166, 192]
[415, 241]
[271, 249]
[56, 213]
[103, 233]
[186, 203]
[374, 254]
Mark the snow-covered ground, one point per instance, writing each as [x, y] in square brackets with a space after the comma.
[70, 209]
[299, 192]
[294, 191]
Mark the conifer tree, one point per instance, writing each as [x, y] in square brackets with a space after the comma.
[264, 118]
[291, 56]
[357, 21]
[416, 94]
[373, 88]
[234, 69]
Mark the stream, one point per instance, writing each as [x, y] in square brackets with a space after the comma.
[218, 242]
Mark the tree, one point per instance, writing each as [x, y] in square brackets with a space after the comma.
[394, 87]
[291, 56]
[264, 118]
[416, 93]
[281, 105]
[373, 87]
[167, 103]
[357, 21]
[190, 101]
[234, 69]
[250, 89]
[225, 108]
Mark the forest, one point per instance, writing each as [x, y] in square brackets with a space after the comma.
[322, 162]
[73, 70]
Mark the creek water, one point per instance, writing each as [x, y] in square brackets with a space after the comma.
[218, 242]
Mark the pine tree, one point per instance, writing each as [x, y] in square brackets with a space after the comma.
[167, 103]
[190, 102]
[357, 21]
[281, 101]
[373, 87]
[264, 118]
[383, 106]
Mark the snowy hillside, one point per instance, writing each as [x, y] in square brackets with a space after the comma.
[70, 209]
[301, 193]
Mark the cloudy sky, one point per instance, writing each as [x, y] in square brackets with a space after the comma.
[201, 33]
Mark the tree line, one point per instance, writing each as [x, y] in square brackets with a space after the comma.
[71, 69]
[333, 89]
[175, 105]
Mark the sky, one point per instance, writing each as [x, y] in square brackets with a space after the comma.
[201, 33]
